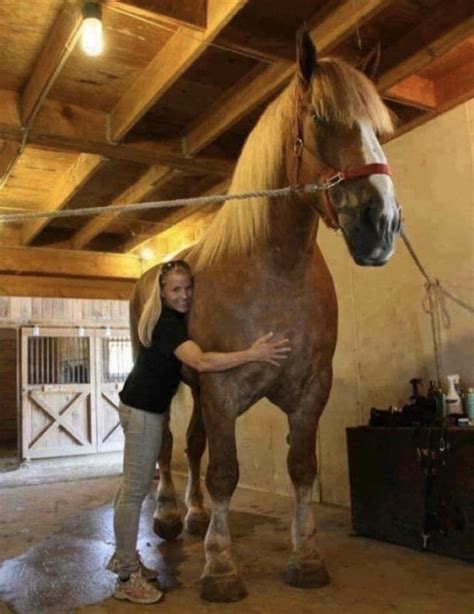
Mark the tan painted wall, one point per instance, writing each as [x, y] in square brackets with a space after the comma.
[384, 335]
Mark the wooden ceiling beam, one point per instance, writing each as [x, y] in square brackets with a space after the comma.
[65, 287]
[182, 49]
[151, 180]
[10, 235]
[73, 180]
[190, 13]
[68, 263]
[136, 244]
[68, 127]
[8, 156]
[414, 91]
[255, 89]
[456, 86]
[58, 46]
[437, 35]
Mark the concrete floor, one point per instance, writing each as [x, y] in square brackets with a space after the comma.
[56, 539]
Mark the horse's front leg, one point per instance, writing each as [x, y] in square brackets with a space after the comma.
[197, 519]
[167, 521]
[220, 580]
[306, 568]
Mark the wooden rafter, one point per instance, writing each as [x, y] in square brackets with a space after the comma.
[183, 48]
[251, 92]
[442, 31]
[415, 91]
[57, 48]
[68, 263]
[76, 176]
[70, 127]
[189, 13]
[8, 156]
[65, 287]
[138, 243]
[152, 179]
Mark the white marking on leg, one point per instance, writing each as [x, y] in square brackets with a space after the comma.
[218, 542]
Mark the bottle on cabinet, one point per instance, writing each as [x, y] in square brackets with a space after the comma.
[453, 400]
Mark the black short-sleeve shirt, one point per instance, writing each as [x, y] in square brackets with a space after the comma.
[156, 374]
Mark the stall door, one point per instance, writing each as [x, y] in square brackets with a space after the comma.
[114, 356]
[58, 384]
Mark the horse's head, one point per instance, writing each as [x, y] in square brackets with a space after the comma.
[338, 114]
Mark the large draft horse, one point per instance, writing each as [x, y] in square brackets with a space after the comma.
[259, 268]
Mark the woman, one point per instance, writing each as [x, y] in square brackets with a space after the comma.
[145, 399]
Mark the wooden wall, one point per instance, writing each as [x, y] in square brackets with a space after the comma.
[24, 311]
[8, 386]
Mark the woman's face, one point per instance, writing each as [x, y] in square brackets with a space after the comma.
[177, 291]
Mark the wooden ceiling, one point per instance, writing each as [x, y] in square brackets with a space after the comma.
[163, 112]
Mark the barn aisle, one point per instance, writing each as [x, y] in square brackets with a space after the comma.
[57, 538]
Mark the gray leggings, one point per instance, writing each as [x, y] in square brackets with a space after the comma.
[143, 432]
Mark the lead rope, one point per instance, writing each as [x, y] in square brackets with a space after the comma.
[435, 305]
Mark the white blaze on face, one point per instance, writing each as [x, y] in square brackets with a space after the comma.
[373, 153]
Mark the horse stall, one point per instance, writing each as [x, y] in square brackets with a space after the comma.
[343, 130]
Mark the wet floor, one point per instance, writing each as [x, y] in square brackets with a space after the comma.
[57, 539]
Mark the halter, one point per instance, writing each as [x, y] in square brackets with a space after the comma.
[330, 176]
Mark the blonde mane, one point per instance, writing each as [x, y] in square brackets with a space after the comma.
[340, 95]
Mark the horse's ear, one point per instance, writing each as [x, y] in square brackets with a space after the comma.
[369, 64]
[305, 55]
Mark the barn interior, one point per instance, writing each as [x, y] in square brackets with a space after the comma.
[162, 114]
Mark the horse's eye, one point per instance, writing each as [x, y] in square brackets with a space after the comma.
[317, 119]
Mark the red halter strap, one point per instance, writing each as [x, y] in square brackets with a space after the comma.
[330, 177]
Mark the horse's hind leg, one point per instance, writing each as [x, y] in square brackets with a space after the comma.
[167, 521]
[197, 519]
[306, 568]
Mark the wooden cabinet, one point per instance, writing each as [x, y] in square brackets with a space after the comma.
[414, 487]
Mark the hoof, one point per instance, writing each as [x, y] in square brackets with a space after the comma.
[307, 575]
[223, 589]
[168, 530]
[196, 524]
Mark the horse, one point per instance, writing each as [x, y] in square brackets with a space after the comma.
[259, 268]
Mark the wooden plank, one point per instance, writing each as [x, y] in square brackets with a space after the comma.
[136, 244]
[9, 235]
[191, 13]
[456, 86]
[152, 179]
[45, 261]
[415, 91]
[443, 30]
[58, 46]
[169, 64]
[254, 89]
[73, 180]
[65, 287]
[68, 127]
[8, 158]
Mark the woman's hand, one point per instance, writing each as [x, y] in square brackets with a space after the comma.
[268, 349]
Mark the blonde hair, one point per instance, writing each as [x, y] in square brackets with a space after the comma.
[340, 94]
[152, 308]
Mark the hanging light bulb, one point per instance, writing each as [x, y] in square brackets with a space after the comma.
[147, 254]
[92, 41]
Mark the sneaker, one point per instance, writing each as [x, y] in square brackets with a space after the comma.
[147, 573]
[137, 590]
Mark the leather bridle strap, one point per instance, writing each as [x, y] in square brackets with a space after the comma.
[329, 176]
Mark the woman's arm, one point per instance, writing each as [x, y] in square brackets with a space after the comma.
[263, 350]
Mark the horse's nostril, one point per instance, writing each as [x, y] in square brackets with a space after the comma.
[367, 214]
